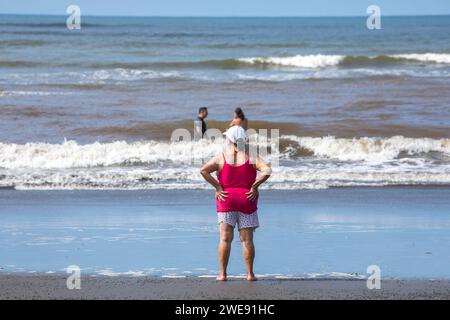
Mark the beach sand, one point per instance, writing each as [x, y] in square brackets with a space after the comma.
[18, 286]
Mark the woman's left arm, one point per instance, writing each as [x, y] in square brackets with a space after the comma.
[206, 170]
[266, 171]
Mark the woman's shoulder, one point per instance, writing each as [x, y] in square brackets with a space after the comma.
[252, 157]
[219, 157]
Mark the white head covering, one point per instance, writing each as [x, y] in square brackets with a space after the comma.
[235, 133]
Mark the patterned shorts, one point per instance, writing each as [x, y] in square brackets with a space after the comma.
[243, 220]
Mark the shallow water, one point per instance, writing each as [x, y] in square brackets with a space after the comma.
[308, 233]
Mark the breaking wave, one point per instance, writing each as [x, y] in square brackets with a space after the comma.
[312, 61]
[299, 61]
[70, 154]
[322, 61]
[329, 162]
[371, 149]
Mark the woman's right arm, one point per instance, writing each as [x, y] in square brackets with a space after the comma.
[265, 171]
[209, 167]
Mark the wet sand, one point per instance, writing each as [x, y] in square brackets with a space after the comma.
[333, 233]
[40, 286]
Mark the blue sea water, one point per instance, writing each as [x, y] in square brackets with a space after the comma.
[118, 73]
[95, 108]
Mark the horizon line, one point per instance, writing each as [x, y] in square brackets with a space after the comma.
[224, 16]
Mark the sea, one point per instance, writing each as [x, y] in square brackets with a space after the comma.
[96, 108]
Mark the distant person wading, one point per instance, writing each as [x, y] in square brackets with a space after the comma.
[239, 119]
[200, 124]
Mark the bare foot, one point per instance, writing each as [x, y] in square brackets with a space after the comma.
[251, 277]
[222, 277]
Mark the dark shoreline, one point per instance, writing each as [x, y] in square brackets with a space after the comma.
[43, 286]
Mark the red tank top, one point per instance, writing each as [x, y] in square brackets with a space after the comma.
[237, 180]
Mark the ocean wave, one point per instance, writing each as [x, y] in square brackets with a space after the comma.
[259, 45]
[321, 60]
[353, 73]
[331, 162]
[299, 61]
[56, 24]
[370, 149]
[17, 64]
[71, 154]
[24, 43]
[9, 93]
[442, 58]
[99, 78]
[126, 75]
[306, 176]
[308, 67]
[312, 61]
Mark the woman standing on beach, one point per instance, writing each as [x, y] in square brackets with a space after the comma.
[239, 119]
[236, 196]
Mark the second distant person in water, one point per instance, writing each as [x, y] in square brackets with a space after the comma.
[239, 119]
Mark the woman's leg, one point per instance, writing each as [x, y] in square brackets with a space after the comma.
[248, 250]
[226, 237]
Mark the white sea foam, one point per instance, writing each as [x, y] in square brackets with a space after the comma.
[174, 165]
[315, 61]
[70, 154]
[370, 149]
[308, 176]
[299, 61]
[108, 273]
[330, 275]
[126, 75]
[132, 273]
[101, 76]
[10, 93]
[312, 66]
[443, 58]
[318, 74]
